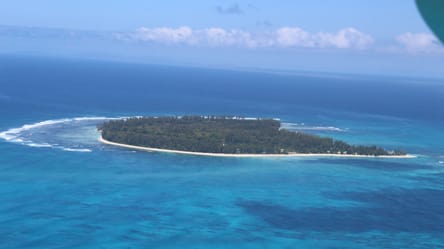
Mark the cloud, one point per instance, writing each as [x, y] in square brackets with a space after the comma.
[293, 37]
[233, 9]
[420, 42]
[50, 33]
[252, 6]
[165, 35]
[264, 23]
[344, 38]
[285, 37]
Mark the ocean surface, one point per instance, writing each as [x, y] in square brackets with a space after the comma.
[61, 188]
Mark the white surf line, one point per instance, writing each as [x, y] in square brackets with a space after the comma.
[303, 127]
[76, 150]
[14, 135]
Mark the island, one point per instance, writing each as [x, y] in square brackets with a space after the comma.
[227, 136]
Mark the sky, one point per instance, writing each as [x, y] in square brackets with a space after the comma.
[346, 36]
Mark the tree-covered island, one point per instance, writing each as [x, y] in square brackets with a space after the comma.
[226, 135]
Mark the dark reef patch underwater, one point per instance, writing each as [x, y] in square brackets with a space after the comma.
[61, 188]
[388, 210]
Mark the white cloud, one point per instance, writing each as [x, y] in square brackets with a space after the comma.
[285, 37]
[217, 37]
[293, 37]
[232, 9]
[420, 42]
[345, 38]
[165, 35]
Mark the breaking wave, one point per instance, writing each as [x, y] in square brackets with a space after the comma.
[68, 134]
[304, 127]
[77, 150]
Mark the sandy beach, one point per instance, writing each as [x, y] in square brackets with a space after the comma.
[102, 140]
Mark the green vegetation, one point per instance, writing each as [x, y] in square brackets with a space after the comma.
[219, 134]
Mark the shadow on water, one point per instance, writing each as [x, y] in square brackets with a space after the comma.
[371, 164]
[391, 210]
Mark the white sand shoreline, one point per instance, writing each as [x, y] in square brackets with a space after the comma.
[102, 140]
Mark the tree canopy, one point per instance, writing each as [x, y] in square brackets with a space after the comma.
[222, 134]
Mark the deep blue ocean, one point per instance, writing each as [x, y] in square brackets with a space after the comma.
[61, 188]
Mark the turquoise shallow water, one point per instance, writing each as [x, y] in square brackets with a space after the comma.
[60, 188]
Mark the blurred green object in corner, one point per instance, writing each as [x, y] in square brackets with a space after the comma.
[432, 12]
